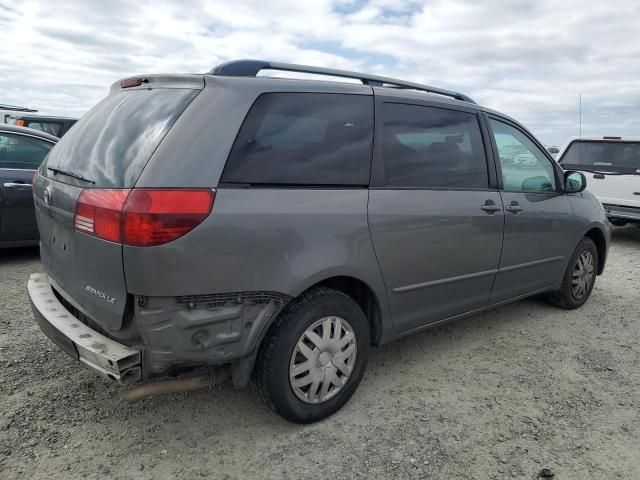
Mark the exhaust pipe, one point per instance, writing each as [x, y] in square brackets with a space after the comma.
[188, 384]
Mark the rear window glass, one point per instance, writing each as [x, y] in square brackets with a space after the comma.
[620, 157]
[304, 139]
[112, 143]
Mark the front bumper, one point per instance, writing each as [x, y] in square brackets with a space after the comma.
[619, 211]
[107, 357]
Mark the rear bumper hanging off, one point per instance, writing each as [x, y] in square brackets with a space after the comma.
[107, 357]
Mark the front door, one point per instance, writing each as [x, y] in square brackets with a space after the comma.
[537, 215]
[20, 156]
[435, 221]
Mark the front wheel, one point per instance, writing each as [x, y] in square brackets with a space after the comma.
[313, 356]
[579, 278]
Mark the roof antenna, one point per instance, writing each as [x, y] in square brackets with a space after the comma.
[580, 131]
[580, 116]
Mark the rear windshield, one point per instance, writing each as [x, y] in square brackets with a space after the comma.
[112, 143]
[617, 157]
[304, 139]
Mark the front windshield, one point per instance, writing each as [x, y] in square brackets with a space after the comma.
[604, 156]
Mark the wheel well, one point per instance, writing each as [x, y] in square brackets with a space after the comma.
[364, 296]
[598, 238]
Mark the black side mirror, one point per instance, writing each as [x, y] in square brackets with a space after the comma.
[574, 182]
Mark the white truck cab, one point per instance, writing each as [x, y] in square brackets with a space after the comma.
[612, 168]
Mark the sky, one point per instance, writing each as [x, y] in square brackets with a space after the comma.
[528, 59]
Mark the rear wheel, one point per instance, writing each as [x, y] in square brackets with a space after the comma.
[313, 357]
[580, 277]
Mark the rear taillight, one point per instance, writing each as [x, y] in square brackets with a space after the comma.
[154, 217]
[142, 217]
[99, 213]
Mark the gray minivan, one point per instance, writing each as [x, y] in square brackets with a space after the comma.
[284, 226]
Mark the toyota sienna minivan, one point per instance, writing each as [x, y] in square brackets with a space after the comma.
[282, 227]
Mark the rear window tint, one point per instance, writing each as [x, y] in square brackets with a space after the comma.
[112, 143]
[304, 139]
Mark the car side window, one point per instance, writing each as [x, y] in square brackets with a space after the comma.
[304, 139]
[21, 152]
[525, 168]
[50, 128]
[432, 148]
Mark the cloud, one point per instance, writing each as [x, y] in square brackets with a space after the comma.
[530, 60]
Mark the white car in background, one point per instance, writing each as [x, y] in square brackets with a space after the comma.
[525, 160]
[553, 151]
[612, 167]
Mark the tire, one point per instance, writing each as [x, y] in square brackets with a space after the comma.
[567, 296]
[282, 357]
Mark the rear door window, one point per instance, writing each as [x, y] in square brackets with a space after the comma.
[112, 143]
[304, 139]
[22, 152]
[432, 147]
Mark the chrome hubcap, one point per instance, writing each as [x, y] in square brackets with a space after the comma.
[323, 360]
[583, 275]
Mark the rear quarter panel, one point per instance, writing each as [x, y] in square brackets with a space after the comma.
[263, 239]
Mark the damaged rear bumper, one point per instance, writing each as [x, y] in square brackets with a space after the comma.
[107, 357]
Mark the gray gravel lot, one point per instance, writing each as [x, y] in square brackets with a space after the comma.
[504, 394]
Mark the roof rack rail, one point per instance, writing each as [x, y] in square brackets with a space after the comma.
[251, 68]
[16, 109]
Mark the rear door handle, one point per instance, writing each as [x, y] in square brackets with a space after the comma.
[514, 208]
[17, 185]
[490, 207]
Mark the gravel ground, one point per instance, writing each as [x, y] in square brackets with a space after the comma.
[504, 394]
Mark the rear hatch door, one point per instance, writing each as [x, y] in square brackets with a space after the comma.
[106, 150]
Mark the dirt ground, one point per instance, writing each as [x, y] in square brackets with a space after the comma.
[504, 394]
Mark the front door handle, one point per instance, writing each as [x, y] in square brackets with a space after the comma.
[490, 207]
[513, 208]
[17, 185]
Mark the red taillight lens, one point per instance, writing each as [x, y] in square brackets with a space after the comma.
[142, 217]
[98, 213]
[157, 216]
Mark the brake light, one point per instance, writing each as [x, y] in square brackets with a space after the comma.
[133, 82]
[142, 217]
[157, 216]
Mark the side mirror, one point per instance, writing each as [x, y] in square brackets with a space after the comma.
[574, 182]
